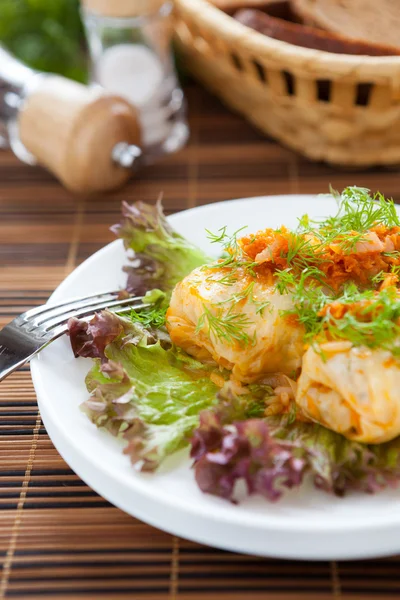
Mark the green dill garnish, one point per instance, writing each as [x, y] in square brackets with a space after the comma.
[292, 413]
[286, 281]
[221, 237]
[301, 253]
[246, 293]
[382, 275]
[306, 260]
[226, 325]
[358, 212]
[232, 257]
[151, 317]
[379, 277]
[303, 223]
[308, 298]
[394, 253]
[373, 320]
[227, 280]
[261, 306]
[229, 243]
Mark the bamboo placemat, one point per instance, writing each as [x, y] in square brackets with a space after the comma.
[58, 538]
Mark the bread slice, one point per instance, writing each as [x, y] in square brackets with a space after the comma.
[230, 6]
[303, 35]
[376, 21]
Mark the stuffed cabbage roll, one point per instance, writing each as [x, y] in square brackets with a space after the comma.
[353, 391]
[242, 326]
[350, 380]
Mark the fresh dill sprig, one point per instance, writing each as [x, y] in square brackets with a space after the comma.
[308, 298]
[229, 279]
[246, 293]
[262, 306]
[151, 317]
[229, 243]
[301, 253]
[221, 236]
[382, 275]
[372, 320]
[292, 413]
[232, 256]
[226, 325]
[286, 281]
[358, 212]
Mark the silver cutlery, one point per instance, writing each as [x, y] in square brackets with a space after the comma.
[32, 331]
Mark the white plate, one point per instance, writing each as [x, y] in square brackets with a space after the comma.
[306, 524]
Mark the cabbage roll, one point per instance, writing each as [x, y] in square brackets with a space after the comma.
[350, 380]
[241, 326]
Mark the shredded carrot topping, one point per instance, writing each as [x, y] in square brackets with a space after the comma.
[340, 261]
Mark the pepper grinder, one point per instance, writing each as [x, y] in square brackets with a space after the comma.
[88, 138]
[130, 43]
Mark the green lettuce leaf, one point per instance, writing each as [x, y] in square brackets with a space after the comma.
[150, 396]
[162, 256]
[339, 464]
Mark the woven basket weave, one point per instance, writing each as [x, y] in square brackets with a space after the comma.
[337, 108]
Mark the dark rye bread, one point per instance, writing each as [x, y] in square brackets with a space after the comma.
[230, 6]
[274, 21]
[373, 21]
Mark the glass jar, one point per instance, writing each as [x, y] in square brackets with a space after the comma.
[131, 56]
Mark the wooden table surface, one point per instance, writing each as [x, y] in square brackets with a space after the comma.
[58, 538]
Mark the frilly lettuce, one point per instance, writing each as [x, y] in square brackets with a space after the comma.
[270, 455]
[150, 396]
[162, 256]
[89, 339]
[141, 389]
[157, 398]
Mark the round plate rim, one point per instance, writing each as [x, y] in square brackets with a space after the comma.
[376, 524]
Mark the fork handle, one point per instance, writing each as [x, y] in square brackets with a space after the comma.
[12, 359]
[10, 363]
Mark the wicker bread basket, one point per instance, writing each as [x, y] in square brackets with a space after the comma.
[333, 107]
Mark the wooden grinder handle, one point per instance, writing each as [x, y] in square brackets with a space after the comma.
[72, 129]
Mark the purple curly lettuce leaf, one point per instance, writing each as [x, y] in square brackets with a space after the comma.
[246, 451]
[89, 339]
[144, 217]
[162, 257]
[143, 275]
[270, 455]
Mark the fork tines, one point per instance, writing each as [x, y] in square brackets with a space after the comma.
[46, 318]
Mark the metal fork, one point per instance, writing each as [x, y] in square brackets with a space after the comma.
[29, 333]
